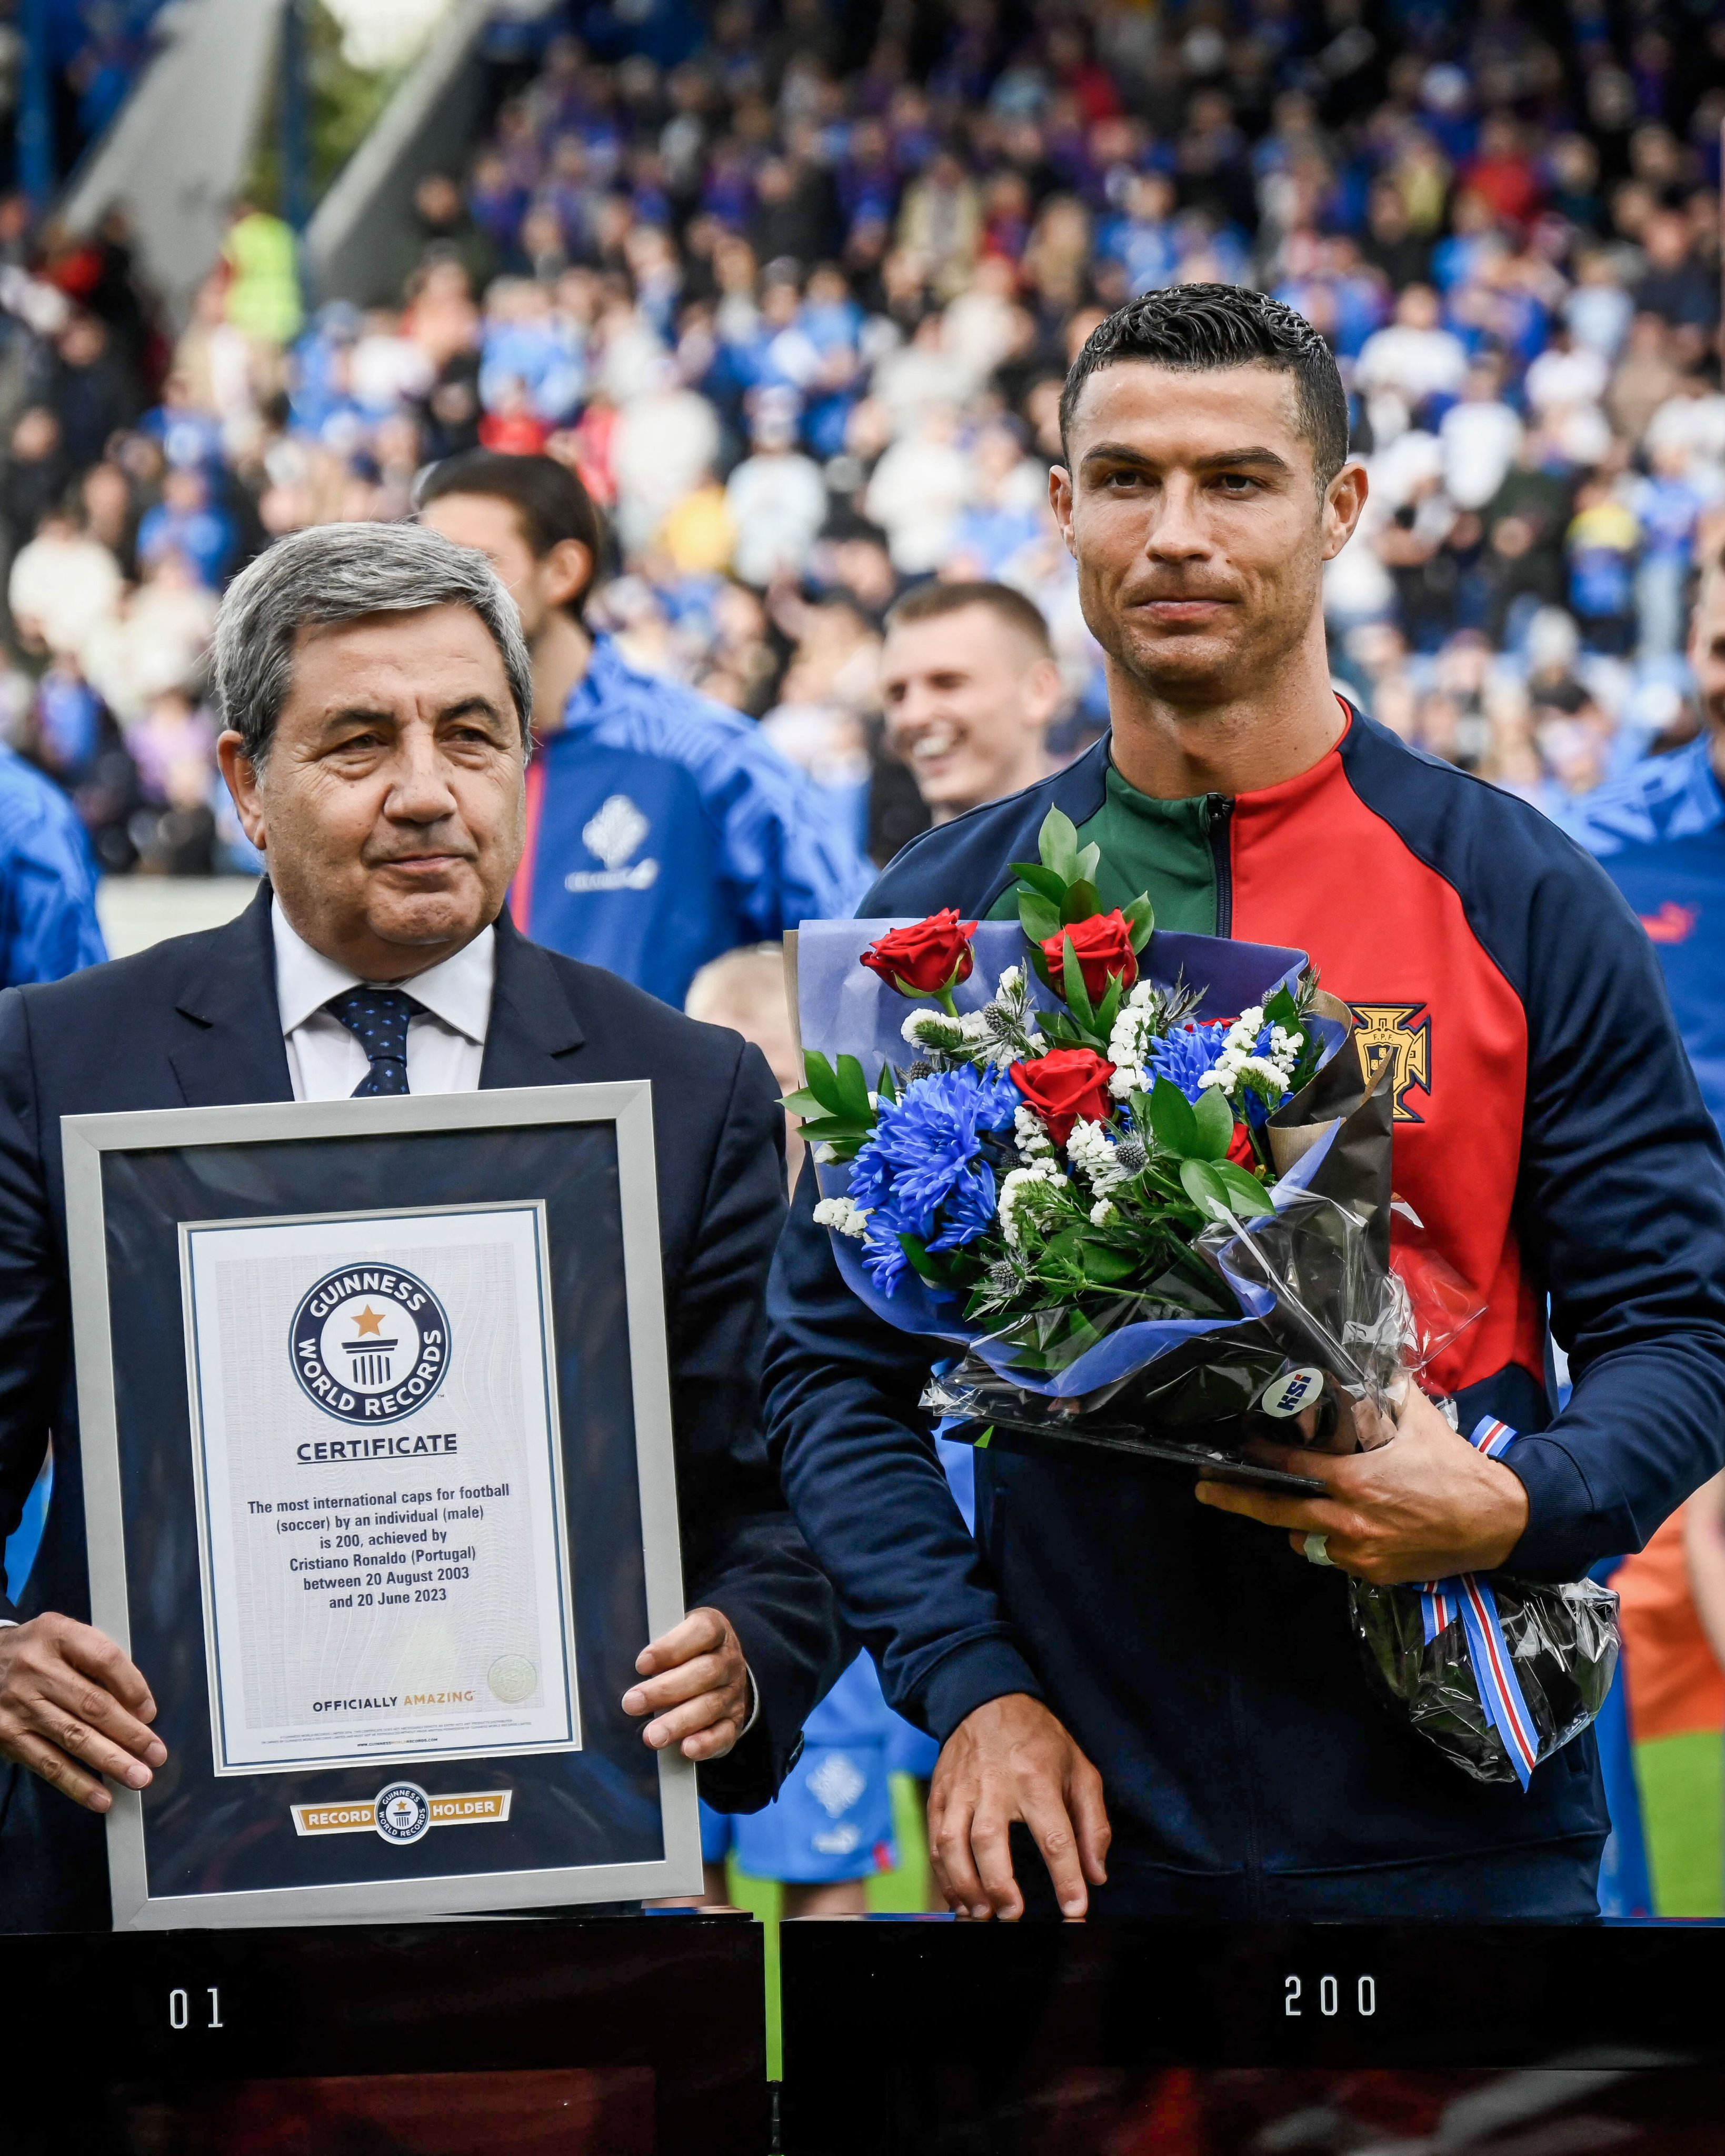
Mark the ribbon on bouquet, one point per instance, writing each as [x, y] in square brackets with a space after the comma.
[1471, 1596]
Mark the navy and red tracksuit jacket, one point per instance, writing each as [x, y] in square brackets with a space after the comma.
[1551, 1136]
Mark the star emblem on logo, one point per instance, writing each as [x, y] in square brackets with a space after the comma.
[369, 1320]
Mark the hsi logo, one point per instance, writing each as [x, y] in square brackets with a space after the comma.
[1387, 1032]
[611, 835]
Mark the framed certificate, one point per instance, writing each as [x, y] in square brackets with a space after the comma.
[381, 1498]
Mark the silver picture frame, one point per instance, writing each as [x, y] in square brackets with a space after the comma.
[627, 1106]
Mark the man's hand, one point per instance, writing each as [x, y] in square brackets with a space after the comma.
[700, 1688]
[73, 1708]
[1423, 1506]
[1012, 1760]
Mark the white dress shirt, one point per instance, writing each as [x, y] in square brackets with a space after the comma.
[446, 1040]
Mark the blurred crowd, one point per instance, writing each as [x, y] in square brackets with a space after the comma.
[798, 309]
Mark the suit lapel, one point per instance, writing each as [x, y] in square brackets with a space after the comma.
[533, 1033]
[230, 1049]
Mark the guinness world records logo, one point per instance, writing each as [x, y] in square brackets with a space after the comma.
[369, 1343]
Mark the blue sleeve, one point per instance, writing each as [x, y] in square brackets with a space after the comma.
[1621, 1208]
[48, 917]
[786, 856]
[35, 1324]
[861, 1470]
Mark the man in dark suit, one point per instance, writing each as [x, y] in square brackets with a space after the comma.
[377, 693]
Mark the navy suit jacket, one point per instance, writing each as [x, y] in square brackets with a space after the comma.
[193, 1023]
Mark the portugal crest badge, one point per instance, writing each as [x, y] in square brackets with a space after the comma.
[1397, 1034]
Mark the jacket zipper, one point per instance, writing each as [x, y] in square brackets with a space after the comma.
[1219, 818]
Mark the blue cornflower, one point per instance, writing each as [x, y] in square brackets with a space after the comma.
[1183, 1055]
[924, 1172]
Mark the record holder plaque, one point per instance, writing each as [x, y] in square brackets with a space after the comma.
[380, 1498]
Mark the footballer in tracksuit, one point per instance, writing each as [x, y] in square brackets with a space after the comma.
[663, 830]
[1155, 1685]
[1660, 830]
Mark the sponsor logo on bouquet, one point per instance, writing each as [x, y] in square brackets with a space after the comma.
[611, 835]
[1293, 1390]
[1386, 1033]
[369, 1343]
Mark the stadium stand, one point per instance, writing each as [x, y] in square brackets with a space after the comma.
[796, 306]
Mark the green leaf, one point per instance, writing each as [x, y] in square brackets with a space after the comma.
[887, 1089]
[929, 1267]
[1215, 1118]
[1089, 861]
[1105, 1266]
[1141, 920]
[1082, 899]
[1057, 842]
[822, 1081]
[854, 1092]
[1072, 988]
[1246, 1195]
[1203, 1183]
[1040, 918]
[1052, 887]
[804, 1103]
[1109, 1007]
[1171, 1119]
[1281, 1010]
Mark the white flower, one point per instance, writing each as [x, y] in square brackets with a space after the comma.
[842, 1214]
[1101, 1213]
[1011, 981]
[1029, 1134]
[825, 1155]
[1018, 1185]
[1090, 1151]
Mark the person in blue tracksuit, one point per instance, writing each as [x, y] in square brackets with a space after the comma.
[662, 830]
[48, 917]
[1660, 832]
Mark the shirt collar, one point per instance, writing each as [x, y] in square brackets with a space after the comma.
[456, 990]
[596, 687]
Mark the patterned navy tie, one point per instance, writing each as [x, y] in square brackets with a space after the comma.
[378, 1019]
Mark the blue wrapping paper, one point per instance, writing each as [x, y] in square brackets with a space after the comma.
[845, 1009]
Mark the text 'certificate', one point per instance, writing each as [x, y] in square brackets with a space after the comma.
[374, 1427]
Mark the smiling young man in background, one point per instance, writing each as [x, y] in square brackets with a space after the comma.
[1114, 1658]
[969, 687]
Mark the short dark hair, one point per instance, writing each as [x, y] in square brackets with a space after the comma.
[550, 501]
[1207, 326]
[929, 602]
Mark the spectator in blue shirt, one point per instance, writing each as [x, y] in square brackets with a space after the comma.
[662, 829]
[48, 915]
[1668, 506]
[186, 523]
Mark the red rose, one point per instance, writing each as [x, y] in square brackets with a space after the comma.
[1103, 947]
[1065, 1085]
[927, 960]
[1241, 1149]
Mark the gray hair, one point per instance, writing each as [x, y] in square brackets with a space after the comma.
[332, 572]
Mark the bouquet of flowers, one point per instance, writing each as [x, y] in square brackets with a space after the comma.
[1137, 1193]
[1131, 1211]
